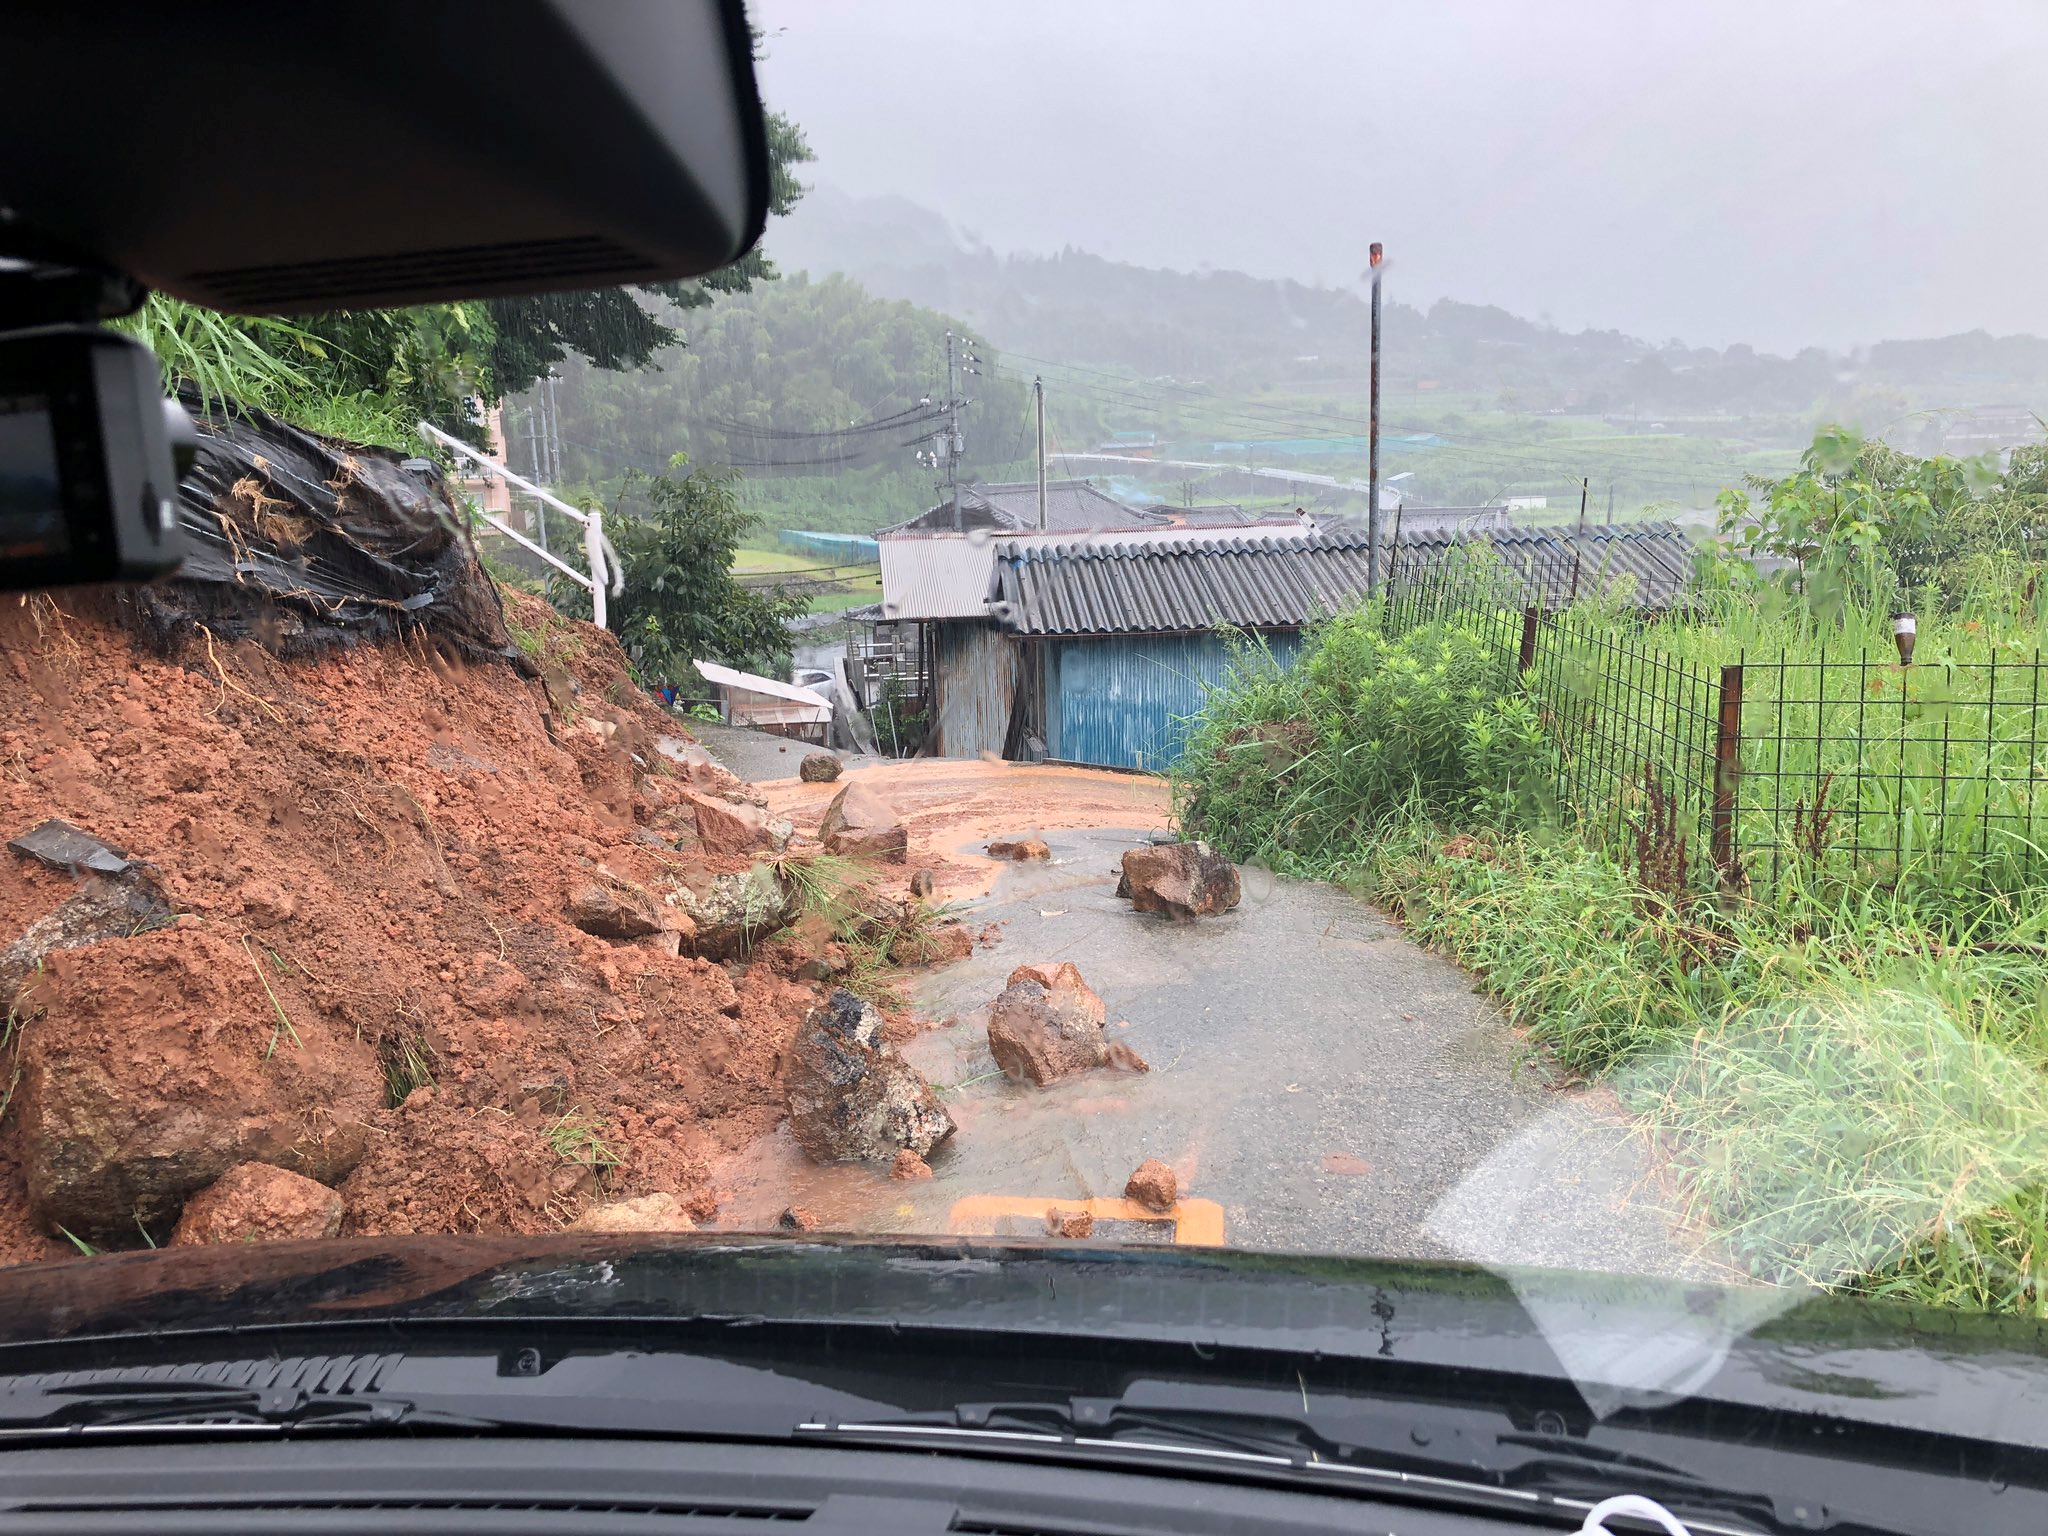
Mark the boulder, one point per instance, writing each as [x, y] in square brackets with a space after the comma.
[850, 1097]
[660, 1212]
[732, 826]
[922, 884]
[254, 1202]
[1182, 880]
[733, 912]
[1153, 1186]
[1021, 849]
[1064, 982]
[859, 824]
[1047, 1024]
[797, 1218]
[613, 912]
[155, 1064]
[818, 768]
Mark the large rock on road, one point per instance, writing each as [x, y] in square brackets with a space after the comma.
[859, 824]
[1182, 880]
[850, 1097]
[1047, 1024]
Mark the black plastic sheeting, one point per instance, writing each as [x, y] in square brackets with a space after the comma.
[304, 542]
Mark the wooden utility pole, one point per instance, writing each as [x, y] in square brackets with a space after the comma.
[1372, 513]
[1038, 393]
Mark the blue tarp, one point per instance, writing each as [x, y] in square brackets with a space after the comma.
[839, 548]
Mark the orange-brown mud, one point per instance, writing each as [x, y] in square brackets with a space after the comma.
[370, 852]
[953, 808]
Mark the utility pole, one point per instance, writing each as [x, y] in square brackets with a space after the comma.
[952, 435]
[1372, 513]
[554, 434]
[1038, 392]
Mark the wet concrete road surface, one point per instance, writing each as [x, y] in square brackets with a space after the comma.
[1333, 1086]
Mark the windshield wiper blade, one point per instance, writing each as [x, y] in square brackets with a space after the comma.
[121, 1406]
[1525, 1470]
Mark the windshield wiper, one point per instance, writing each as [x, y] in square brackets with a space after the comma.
[108, 1407]
[1509, 1470]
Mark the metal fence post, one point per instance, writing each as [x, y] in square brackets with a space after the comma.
[593, 554]
[1527, 658]
[1727, 775]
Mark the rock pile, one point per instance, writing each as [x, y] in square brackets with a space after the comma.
[859, 824]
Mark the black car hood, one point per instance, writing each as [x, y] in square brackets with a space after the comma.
[1618, 1339]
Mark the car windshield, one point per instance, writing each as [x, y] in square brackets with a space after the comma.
[1403, 632]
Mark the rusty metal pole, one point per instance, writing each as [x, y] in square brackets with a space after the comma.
[1527, 658]
[1372, 427]
[1727, 775]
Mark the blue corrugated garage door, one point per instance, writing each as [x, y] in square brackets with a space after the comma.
[1123, 701]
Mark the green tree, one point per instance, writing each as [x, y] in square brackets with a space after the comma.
[676, 533]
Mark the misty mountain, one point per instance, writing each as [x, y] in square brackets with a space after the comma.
[1230, 332]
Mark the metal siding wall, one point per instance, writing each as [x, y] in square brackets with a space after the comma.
[977, 667]
[1122, 700]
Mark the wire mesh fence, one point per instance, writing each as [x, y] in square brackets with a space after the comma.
[1746, 773]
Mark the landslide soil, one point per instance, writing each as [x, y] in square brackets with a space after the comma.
[370, 852]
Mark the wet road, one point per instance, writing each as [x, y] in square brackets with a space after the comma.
[1333, 1086]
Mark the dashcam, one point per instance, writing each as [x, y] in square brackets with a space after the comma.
[89, 451]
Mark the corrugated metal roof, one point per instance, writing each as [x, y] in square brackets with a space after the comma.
[936, 576]
[774, 688]
[1071, 506]
[1279, 577]
[1658, 556]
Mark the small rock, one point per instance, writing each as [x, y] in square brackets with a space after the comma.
[610, 913]
[1154, 1186]
[818, 768]
[859, 824]
[254, 1202]
[1182, 880]
[1065, 1223]
[1047, 1024]
[1020, 849]
[909, 1165]
[101, 908]
[659, 1212]
[796, 1218]
[850, 1097]
[921, 884]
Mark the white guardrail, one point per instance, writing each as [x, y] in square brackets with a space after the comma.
[606, 568]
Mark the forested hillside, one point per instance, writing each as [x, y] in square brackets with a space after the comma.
[811, 390]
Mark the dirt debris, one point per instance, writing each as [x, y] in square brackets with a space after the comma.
[909, 1165]
[360, 950]
[1061, 1221]
[658, 1212]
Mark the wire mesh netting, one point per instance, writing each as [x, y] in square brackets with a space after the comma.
[1853, 768]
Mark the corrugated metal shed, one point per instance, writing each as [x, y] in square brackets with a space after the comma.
[1250, 578]
[1283, 578]
[1125, 701]
[975, 668]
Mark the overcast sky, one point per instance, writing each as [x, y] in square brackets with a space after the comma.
[1785, 173]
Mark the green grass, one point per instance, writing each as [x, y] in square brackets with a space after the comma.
[1846, 1066]
[583, 1139]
